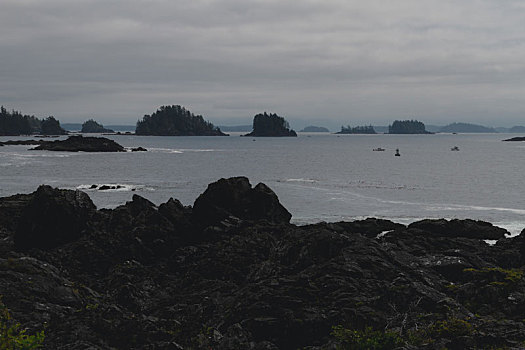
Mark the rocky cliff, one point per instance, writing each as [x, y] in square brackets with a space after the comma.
[232, 272]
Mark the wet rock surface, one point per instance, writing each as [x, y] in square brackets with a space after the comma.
[231, 272]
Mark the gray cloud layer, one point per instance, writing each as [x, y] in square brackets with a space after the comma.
[349, 61]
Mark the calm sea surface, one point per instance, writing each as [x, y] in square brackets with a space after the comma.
[318, 177]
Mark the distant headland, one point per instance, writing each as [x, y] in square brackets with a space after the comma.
[467, 128]
[91, 126]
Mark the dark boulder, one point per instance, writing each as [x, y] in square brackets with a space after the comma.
[138, 149]
[53, 217]
[460, 228]
[236, 197]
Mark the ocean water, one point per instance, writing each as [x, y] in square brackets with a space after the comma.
[318, 177]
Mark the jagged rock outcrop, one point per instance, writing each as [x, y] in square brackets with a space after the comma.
[53, 217]
[235, 198]
[460, 228]
[231, 272]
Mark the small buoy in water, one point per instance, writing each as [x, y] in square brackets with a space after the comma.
[397, 153]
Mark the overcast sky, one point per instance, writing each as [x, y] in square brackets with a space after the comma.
[321, 61]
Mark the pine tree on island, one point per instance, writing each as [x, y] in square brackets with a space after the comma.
[265, 124]
[176, 121]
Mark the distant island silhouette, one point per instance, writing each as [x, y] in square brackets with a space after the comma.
[265, 124]
[357, 130]
[176, 121]
[312, 128]
[517, 129]
[466, 128]
[407, 127]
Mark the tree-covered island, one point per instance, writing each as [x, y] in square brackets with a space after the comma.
[407, 127]
[176, 121]
[91, 126]
[357, 130]
[15, 123]
[265, 124]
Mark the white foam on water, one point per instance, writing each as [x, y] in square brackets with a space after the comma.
[180, 150]
[117, 187]
[197, 150]
[299, 180]
[164, 150]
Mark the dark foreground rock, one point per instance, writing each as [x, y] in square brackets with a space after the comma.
[231, 272]
[79, 143]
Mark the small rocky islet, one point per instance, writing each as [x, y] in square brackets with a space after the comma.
[232, 272]
[75, 143]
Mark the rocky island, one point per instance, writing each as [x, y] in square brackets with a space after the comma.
[232, 272]
[91, 126]
[265, 124]
[176, 121]
[517, 138]
[79, 143]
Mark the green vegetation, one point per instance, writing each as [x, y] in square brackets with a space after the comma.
[451, 328]
[407, 127]
[265, 124]
[365, 339]
[12, 337]
[370, 339]
[357, 130]
[91, 126]
[498, 276]
[176, 121]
